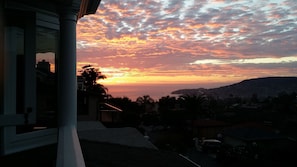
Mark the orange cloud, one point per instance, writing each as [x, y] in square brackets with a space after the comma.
[141, 42]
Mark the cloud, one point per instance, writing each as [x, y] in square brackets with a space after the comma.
[282, 60]
[176, 37]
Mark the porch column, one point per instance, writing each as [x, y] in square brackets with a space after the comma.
[69, 150]
[67, 70]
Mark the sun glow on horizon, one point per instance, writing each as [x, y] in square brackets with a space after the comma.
[126, 76]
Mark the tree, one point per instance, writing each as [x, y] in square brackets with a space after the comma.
[146, 99]
[149, 115]
[130, 115]
[170, 111]
[167, 103]
[285, 102]
[146, 102]
[91, 75]
[193, 104]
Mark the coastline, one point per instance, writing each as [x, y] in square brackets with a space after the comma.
[155, 91]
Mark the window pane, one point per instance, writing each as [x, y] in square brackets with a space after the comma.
[46, 82]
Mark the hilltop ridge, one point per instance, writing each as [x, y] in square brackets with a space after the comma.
[262, 87]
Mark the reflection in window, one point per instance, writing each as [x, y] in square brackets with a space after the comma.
[20, 66]
[46, 82]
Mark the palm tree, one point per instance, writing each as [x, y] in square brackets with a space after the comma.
[170, 112]
[149, 116]
[166, 103]
[146, 103]
[91, 75]
[146, 99]
[193, 104]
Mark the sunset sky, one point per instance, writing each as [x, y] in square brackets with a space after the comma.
[198, 43]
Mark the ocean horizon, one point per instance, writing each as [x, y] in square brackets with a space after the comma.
[155, 91]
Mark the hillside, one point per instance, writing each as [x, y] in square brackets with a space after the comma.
[262, 87]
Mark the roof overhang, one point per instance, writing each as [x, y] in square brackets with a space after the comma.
[105, 107]
[88, 7]
[82, 7]
[85, 6]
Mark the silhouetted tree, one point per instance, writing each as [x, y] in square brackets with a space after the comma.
[146, 102]
[92, 88]
[131, 114]
[167, 103]
[146, 99]
[91, 75]
[170, 112]
[214, 107]
[148, 114]
[193, 104]
[285, 102]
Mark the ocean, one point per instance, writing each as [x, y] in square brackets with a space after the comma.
[155, 91]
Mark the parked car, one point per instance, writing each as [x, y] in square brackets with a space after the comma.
[211, 145]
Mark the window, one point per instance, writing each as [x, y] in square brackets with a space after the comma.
[30, 84]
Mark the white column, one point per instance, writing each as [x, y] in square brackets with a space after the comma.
[67, 70]
[69, 150]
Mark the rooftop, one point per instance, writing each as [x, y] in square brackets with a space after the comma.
[116, 147]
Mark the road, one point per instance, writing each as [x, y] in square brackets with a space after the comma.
[201, 158]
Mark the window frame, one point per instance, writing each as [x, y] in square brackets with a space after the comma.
[11, 141]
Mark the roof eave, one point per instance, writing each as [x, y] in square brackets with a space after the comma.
[88, 7]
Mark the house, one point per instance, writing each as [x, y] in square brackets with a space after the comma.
[81, 83]
[91, 105]
[249, 133]
[109, 113]
[46, 97]
[31, 31]
[207, 128]
[258, 140]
